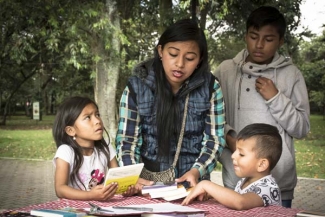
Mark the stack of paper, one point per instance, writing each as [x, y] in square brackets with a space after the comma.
[168, 192]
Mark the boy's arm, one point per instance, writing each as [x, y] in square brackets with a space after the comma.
[128, 141]
[292, 113]
[224, 196]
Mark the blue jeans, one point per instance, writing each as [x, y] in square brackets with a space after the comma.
[286, 203]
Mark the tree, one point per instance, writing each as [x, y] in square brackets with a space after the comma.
[312, 64]
[107, 70]
[90, 47]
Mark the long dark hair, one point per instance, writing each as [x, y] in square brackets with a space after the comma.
[168, 114]
[67, 114]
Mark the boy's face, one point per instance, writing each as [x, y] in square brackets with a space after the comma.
[262, 44]
[244, 158]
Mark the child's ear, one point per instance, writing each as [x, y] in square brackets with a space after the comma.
[70, 130]
[263, 165]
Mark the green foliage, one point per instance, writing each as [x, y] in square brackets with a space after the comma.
[312, 64]
[57, 47]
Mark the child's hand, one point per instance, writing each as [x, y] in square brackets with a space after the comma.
[100, 192]
[130, 191]
[266, 88]
[142, 182]
[196, 192]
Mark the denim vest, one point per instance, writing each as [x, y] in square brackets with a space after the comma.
[142, 90]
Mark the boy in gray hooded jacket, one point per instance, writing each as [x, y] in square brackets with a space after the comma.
[261, 86]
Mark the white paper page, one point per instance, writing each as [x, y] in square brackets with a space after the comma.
[120, 172]
[157, 208]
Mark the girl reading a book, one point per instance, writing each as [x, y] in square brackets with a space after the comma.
[83, 156]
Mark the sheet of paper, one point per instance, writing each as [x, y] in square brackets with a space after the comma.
[157, 208]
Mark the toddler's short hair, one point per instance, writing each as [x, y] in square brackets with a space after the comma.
[268, 141]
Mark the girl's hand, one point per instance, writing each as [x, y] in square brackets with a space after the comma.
[142, 182]
[102, 193]
[130, 191]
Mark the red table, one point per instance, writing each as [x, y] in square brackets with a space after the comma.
[213, 208]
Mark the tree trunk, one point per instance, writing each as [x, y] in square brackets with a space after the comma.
[107, 73]
[166, 18]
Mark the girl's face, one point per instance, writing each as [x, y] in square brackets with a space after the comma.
[179, 60]
[88, 127]
[244, 158]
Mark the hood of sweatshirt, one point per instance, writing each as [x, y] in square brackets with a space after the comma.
[278, 62]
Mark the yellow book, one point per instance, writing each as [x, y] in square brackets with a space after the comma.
[124, 176]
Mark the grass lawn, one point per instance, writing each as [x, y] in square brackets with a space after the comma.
[23, 137]
[26, 138]
[310, 151]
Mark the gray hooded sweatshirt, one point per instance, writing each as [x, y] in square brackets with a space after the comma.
[288, 110]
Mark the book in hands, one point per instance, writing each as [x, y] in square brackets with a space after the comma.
[124, 176]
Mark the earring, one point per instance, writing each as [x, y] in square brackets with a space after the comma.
[160, 57]
[74, 138]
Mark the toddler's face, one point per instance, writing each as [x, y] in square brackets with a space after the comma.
[244, 158]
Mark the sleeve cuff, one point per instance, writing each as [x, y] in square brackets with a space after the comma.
[273, 98]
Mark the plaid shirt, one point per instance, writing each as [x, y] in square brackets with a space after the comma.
[129, 138]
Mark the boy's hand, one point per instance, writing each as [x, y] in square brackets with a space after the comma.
[102, 193]
[197, 192]
[266, 88]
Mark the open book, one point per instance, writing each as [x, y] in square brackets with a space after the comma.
[124, 176]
